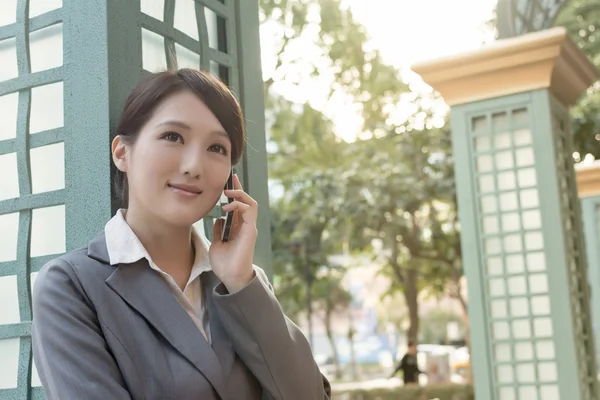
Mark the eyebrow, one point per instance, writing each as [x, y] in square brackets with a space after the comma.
[220, 133]
[186, 126]
[175, 123]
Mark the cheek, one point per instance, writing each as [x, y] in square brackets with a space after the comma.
[149, 166]
[218, 178]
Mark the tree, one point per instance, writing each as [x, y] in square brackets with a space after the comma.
[435, 325]
[339, 46]
[405, 177]
[288, 279]
[305, 214]
[447, 253]
[331, 298]
[306, 206]
[394, 188]
[581, 19]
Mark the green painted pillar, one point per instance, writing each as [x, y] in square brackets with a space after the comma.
[522, 241]
[66, 68]
[588, 185]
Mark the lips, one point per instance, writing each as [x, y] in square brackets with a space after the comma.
[185, 188]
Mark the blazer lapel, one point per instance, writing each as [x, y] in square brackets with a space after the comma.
[146, 291]
[220, 339]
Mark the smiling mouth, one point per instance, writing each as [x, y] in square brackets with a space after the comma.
[185, 190]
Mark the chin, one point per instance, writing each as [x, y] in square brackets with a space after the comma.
[183, 216]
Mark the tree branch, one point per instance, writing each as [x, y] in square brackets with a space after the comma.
[269, 82]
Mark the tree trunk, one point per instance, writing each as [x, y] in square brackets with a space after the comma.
[465, 309]
[336, 359]
[410, 296]
[309, 307]
[353, 365]
[408, 279]
[466, 321]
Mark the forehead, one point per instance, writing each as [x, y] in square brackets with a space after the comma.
[187, 108]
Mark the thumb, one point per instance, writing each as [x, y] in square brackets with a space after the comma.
[217, 230]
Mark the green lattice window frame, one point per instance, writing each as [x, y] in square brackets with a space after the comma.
[576, 255]
[496, 358]
[518, 17]
[100, 68]
[590, 211]
[505, 230]
[24, 265]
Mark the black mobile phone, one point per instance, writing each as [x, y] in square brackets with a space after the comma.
[229, 216]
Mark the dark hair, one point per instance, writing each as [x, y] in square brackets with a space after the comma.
[155, 88]
[411, 343]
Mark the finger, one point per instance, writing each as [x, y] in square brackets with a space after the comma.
[244, 213]
[217, 229]
[236, 182]
[236, 206]
[241, 196]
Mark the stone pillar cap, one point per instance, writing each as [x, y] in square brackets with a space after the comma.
[546, 59]
[588, 179]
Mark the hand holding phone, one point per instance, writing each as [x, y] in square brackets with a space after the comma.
[231, 258]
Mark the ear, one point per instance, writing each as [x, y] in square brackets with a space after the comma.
[120, 153]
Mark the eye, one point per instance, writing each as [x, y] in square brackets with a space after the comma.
[172, 137]
[218, 148]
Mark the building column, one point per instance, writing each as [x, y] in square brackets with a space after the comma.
[522, 236]
[588, 186]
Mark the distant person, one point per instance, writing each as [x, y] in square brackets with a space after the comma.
[409, 366]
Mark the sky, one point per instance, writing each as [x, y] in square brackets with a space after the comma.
[405, 32]
[409, 31]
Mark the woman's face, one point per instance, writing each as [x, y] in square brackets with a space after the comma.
[179, 164]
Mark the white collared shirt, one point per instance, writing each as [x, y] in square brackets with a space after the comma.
[124, 247]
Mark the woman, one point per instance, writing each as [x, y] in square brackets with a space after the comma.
[149, 309]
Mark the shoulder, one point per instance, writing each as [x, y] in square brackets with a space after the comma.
[74, 269]
[57, 286]
[260, 273]
[63, 297]
[59, 271]
[67, 263]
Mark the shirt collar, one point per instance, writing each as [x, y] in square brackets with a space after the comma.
[124, 247]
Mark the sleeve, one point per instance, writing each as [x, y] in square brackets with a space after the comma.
[69, 349]
[399, 366]
[403, 362]
[269, 343]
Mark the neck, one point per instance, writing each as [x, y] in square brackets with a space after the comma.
[169, 246]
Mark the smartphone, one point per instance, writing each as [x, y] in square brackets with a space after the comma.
[229, 216]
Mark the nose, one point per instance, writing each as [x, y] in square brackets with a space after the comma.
[192, 163]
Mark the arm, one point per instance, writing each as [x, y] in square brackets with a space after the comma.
[270, 345]
[403, 363]
[400, 366]
[69, 348]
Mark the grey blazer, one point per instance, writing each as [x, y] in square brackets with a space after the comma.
[112, 332]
